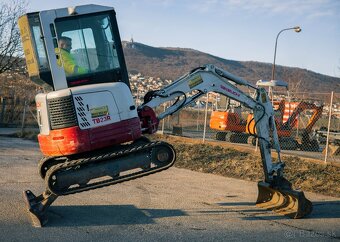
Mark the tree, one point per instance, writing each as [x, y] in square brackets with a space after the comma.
[10, 45]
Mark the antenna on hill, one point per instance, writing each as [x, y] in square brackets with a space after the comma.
[132, 42]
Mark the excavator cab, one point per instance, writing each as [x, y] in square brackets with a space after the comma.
[76, 54]
[94, 53]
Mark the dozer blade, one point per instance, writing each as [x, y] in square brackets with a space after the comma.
[37, 206]
[284, 201]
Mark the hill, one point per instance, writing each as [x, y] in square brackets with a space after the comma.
[171, 63]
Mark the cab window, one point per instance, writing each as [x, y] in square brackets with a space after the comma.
[92, 52]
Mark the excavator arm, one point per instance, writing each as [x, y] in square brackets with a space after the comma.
[275, 192]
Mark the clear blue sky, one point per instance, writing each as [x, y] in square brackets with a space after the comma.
[232, 29]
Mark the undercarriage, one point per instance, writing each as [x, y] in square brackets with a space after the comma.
[84, 172]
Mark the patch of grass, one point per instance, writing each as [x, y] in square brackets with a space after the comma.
[230, 162]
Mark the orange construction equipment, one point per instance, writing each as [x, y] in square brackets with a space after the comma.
[304, 141]
[230, 124]
[229, 121]
[286, 131]
[233, 128]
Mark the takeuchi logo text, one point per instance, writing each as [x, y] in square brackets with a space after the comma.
[230, 91]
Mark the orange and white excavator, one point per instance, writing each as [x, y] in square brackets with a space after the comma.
[91, 132]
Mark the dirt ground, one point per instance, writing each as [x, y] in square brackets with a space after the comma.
[230, 161]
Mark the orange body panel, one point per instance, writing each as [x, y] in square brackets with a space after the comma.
[73, 140]
[226, 121]
[250, 129]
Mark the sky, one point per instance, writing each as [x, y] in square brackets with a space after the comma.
[243, 30]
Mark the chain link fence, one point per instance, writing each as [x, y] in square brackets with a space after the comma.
[17, 105]
[308, 128]
[16, 111]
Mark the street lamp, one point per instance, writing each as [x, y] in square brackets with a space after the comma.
[297, 29]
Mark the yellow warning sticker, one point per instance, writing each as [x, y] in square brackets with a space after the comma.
[99, 111]
[195, 81]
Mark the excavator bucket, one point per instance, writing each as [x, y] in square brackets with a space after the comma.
[285, 201]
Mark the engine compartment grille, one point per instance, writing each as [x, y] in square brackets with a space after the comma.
[62, 112]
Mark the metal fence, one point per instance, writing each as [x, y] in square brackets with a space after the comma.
[17, 111]
[309, 128]
[314, 132]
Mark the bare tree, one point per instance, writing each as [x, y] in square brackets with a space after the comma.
[10, 45]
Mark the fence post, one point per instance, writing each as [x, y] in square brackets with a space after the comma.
[2, 115]
[198, 115]
[29, 109]
[163, 121]
[11, 102]
[23, 120]
[168, 122]
[256, 144]
[329, 126]
[205, 117]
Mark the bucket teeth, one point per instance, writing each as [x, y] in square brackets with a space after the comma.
[284, 201]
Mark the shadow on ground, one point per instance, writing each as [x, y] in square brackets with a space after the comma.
[321, 210]
[100, 215]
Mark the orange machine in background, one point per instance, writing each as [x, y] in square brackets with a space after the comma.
[233, 128]
[232, 121]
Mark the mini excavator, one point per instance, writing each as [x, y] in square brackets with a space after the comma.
[91, 132]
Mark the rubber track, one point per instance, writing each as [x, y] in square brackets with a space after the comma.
[107, 156]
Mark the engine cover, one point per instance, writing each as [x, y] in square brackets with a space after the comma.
[85, 118]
